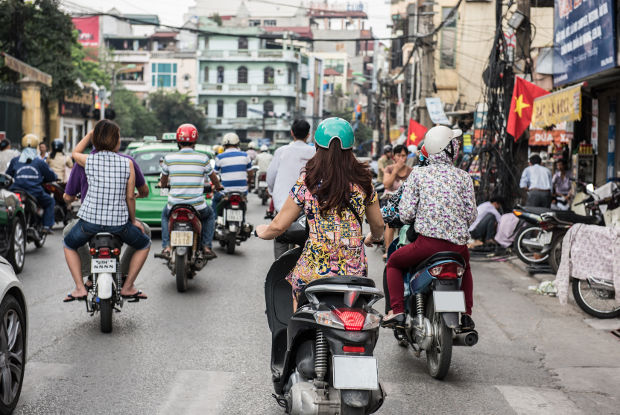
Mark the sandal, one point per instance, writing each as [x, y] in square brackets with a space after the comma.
[69, 298]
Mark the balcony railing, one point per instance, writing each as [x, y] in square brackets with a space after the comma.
[245, 89]
[265, 54]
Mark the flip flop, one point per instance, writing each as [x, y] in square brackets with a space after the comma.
[134, 298]
[70, 298]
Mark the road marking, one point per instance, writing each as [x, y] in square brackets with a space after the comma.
[197, 392]
[537, 401]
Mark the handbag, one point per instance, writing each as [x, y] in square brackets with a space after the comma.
[390, 212]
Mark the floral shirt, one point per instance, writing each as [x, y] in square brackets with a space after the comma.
[440, 199]
[336, 242]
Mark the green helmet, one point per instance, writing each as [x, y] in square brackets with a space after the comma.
[332, 128]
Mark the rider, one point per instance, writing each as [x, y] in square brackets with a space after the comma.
[263, 159]
[440, 199]
[185, 172]
[252, 151]
[334, 193]
[58, 161]
[234, 166]
[29, 172]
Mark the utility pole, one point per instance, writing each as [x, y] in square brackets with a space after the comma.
[524, 36]
[412, 28]
[428, 61]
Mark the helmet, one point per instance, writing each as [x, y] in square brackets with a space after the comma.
[58, 145]
[334, 128]
[230, 139]
[30, 140]
[4, 143]
[264, 148]
[252, 145]
[187, 133]
[387, 149]
[437, 138]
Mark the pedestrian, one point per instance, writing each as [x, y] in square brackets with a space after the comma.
[58, 161]
[483, 229]
[285, 168]
[562, 187]
[439, 200]
[6, 154]
[385, 160]
[334, 192]
[43, 154]
[536, 181]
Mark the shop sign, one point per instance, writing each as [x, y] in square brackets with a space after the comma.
[546, 137]
[88, 30]
[584, 39]
[435, 111]
[77, 106]
[557, 107]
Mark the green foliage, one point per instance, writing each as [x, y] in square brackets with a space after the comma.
[134, 118]
[216, 18]
[87, 68]
[173, 109]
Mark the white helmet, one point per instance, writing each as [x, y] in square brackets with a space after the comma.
[264, 147]
[252, 145]
[412, 148]
[437, 138]
[230, 139]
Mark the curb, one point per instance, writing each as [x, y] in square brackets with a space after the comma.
[520, 266]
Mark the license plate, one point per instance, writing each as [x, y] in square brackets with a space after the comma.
[262, 184]
[102, 265]
[355, 372]
[164, 191]
[449, 301]
[182, 238]
[234, 215]
[545, 238]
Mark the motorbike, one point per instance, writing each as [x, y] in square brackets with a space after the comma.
[433, 301]
[34, 218]
[62, 213]
[230, 227]
[322, 358]
[261, 188]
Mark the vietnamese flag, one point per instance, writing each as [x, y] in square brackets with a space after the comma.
[415, 133]
[521, 106]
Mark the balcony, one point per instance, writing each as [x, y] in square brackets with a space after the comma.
[131, 56]
[250, 55]
[248, 89]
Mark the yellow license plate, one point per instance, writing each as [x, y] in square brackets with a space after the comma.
[182, 238]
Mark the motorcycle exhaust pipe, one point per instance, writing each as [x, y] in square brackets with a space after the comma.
[469, 338]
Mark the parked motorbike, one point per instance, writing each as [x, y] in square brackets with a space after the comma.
[62, 213]
[261, 188]
[322, 358]
[230, 228]
[433, 301]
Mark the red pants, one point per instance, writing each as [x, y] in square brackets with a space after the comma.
[416, 252]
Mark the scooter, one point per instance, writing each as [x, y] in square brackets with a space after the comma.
[261, 188]
[230, 227]
[322, 358]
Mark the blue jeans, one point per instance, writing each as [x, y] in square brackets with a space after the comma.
[129, 233]
[208, 227]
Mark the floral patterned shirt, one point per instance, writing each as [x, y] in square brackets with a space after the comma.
[336, 243]
[440, 199]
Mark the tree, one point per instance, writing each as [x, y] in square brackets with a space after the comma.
[134, 118]
[87, 69]
[216, 18]
[175, 108]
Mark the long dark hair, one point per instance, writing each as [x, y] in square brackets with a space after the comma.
[330, 174]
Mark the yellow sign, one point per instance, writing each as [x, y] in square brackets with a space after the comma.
[559, 106]
[27, 70]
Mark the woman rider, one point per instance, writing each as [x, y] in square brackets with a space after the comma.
[334, 192]
[440, 199]
[58, 161]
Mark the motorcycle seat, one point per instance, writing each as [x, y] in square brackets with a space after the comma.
[440, 256]
[105, 240]
[535, 210]
[345, 279]
[572, 217]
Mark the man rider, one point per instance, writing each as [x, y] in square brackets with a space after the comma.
[29, 173]
[263, 159]
[184, 171]
[234, 167]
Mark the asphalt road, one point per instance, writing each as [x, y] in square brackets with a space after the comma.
[207, 351]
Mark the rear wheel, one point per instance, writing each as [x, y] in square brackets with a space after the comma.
[42, 237]
[555, 255]
[17, 250]
[231, 245]
[439, 355]
[529, 254]
[105, 310]
[598, 300]
[180, 272]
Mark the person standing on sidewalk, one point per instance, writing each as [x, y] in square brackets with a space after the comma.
[536, 181]
[285, 168]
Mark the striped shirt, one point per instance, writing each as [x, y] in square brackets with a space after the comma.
[233, 165]
[187, 170]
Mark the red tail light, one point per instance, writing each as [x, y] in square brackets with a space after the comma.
[183, 215]
[447, 270]
[93, 251]
[353, 319]
[104, 253]
[353, 349]
[116, 251]
[235, 200]
[19, 196]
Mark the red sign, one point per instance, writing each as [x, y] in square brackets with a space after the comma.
[544, 137]
[88, 29]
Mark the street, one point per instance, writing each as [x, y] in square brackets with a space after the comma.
[207, 351]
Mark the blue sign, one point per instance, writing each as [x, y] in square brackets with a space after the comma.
[584, 39]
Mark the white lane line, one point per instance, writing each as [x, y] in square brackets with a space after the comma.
[537, 401]
[197, 392]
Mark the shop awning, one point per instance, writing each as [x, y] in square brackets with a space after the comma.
[559, 106]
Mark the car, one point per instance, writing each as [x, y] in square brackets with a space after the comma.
[148, 155]
[12, 226]
[13, 337]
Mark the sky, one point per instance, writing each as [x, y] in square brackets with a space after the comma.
[171, 11]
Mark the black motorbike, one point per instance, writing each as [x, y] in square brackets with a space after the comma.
[322, 354]
[231, 228]
[34, 218]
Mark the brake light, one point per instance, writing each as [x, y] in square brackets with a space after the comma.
[353, 349]
[235, 200]
[352, 319]
[93, 251]
[104, 253]
[447, 270]
[183, 215]
[19, 196]
[116, 251]
[517, 212]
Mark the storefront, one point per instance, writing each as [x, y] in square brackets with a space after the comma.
[74, 114]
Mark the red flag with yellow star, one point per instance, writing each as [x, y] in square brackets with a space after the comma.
[521, 106]
[415, 133]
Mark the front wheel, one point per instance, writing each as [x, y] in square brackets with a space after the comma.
[12, 351]
[439, 355]
[596, 299]
[180, 272]
[105, 310]
[529, 246]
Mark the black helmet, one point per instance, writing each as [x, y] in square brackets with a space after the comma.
[387, 149]
[4, 143]
[57, 145]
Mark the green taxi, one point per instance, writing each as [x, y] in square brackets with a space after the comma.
[148, 156]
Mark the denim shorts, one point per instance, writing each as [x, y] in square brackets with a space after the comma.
[83, 231]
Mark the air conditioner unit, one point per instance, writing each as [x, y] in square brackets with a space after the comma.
[254, 100]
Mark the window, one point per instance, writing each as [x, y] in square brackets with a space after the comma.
[205, 74]
[220, 74]
[304, 86]
[254, 23]
[164, 75]
[206, 107]
[269, 78]
[335, 64]
[242, 43]
[447, 57]
[220, 108]
[242, 75]
[242, 109]
[292, 76]
[267, 108]
[269, 22]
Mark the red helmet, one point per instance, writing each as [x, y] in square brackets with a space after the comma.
[187, 133]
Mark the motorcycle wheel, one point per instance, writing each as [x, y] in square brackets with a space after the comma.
[105, 310]
[555, 255]
[522, 252]
[180, 272]
[17, 250]
[13, 340]
[439, 356]
[41, 241]
[231, 245]
[596, 302]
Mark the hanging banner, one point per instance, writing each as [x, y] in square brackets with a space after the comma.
[557, 107]
[435, 111]
[88, 30]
